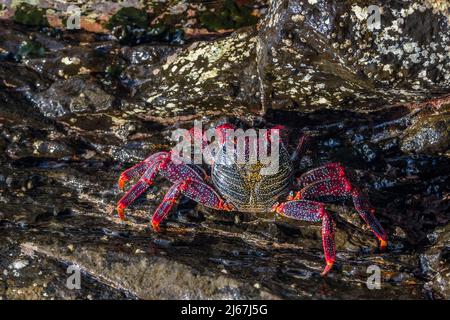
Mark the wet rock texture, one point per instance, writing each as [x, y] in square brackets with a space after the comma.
[77, 108]
[332, 53]
[220, 74]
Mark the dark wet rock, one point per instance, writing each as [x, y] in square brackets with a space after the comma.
[435, 263]
[205, 78]
[231, 16]
[10, 40]
[52, 57]
[175, 279]
[131, 17]
[146, 54]
[142, 62]
[325, 54]
[132, 26]
[27, 275]
[78, 60]
[429, 134]
[3, 144]
[30, 49]
[51, 149]
[134, 16]
[20, 78]
[74, 95]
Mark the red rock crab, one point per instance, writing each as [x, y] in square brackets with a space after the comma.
[232, 186]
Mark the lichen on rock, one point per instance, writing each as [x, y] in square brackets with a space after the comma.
[205, 77]
[327, 54]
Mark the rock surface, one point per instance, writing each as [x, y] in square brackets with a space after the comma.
[332, 53]
[77, 108]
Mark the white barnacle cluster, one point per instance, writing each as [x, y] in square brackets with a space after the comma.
[405, 52]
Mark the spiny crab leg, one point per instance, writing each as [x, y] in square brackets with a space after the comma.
[140, 187]
[139, 169]
[151, 166]
[194, 189]
[341, 187]
[367, 212]
[329, 171]
[160, 162]
[311, 211]
[171, 197]
[176, 172]
[185, 178]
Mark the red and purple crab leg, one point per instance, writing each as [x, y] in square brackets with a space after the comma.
[162, 163]
[138, 188]
[341, 187]
[196, 190]
[333, 170]
[311, 211]
[139, 169]
[198, 136]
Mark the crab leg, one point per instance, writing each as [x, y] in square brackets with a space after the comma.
[167, 203]
[160, 162]
[342, 188]
[367, 212]
[306, 210]
[329, 171]
[140, 187]
[139, 169]
[198, 136]
[193, 189]
[180, 172]
[300, 149]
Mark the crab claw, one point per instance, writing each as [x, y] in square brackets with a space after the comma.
[225, 206]
[278, 208]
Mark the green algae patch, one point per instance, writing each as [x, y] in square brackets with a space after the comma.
[30, 15]
[230, 16]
